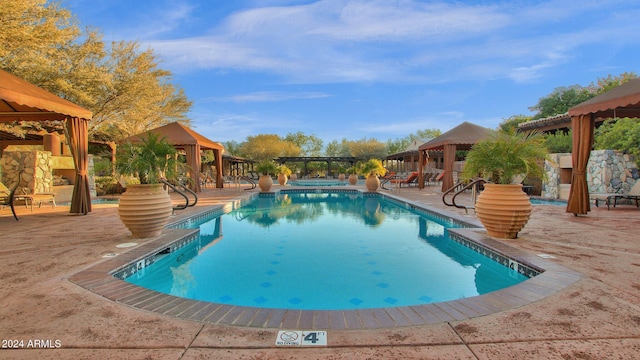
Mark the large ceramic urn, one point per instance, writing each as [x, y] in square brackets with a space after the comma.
[372, 183]
[145, 209]
[353, 179]
[282, 179]
[265, 182]
[503, 209]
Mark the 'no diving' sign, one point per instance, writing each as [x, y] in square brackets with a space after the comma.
[301, 338]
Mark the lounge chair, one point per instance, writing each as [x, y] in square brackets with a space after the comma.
[6, 198]
[39, 198]
[612, 198]
[411, 179]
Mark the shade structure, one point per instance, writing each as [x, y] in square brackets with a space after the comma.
[22, 101]
[621, 101]
[182, 137]
[461, 137]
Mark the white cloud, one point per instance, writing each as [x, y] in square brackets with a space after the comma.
[405, 40]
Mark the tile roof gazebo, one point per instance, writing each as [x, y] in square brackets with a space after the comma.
[23, 101]
[182, 137]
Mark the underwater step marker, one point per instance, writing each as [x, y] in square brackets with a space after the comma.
[301, 338]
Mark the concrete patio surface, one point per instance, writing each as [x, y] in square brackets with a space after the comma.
[598, 317]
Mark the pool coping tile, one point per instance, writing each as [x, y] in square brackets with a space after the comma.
[101, 279]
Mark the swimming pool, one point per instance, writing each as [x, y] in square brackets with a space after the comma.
[324, 250]
[321, 182]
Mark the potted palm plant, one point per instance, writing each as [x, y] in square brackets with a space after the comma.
[145, 207]
[504, 159]
[283, 171]
[266, 169]
[371, 169]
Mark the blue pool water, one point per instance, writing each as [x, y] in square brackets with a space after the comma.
[321, 182]
[325, 251]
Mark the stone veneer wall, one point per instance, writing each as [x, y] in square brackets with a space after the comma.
[608, 171]
[36, 175]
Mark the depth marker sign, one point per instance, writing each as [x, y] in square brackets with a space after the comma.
[301, 338]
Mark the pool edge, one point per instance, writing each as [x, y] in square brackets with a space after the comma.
[100, 280]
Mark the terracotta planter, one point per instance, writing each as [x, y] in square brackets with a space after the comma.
[265, 182]
[145, 209]
[341, 177]
[353, 179]
[282, 179]
[372, 183]
[503, 209]
[293, 176]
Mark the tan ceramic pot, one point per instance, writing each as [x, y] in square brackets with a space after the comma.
[293, 176]
[341, 177]
[265, 182]
[145, 209]
[282, 179]
[503, 209]
[372, 183]
[353, 179]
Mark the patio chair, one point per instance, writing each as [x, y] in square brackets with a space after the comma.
[39, 198]
[6, 198]
[411, 179]
[612, 198]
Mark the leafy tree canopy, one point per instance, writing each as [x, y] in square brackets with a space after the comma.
[564, 98]
[399, 145]
[621, 134]
[310, 145]
[265, 147]
[511, 123]
[122, 86]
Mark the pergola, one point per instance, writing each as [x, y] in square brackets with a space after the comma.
[23, 101]
[461, 137]
[307, 159]
[183, 138]
[620, 102]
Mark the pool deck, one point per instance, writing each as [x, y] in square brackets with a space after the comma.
[594, 315]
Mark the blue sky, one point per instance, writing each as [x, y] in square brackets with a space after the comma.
[370, 68]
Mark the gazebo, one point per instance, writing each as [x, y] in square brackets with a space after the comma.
[182, 137]
[461, 137]
[622, 101]
[23, 101]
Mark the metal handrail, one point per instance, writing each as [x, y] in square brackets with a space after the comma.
[473, 185]
[386, 180]
[249, 180]
[186, 198]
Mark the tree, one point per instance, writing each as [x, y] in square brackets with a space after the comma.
[399, 145]
[559, 142]
[335, 148]
[123, 87]
[605, 84]
[265, 147]
[139, 96]
[621, 134]
[560, 101]
[310, 145]
[33, 38]
[232, 147]
[564, 98]
[367, 149]
[511, 123]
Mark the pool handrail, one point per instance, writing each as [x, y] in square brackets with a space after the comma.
[249, 180]
[461, 187]
[178, 191]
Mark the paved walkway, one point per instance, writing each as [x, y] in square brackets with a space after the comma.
[596, 318]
